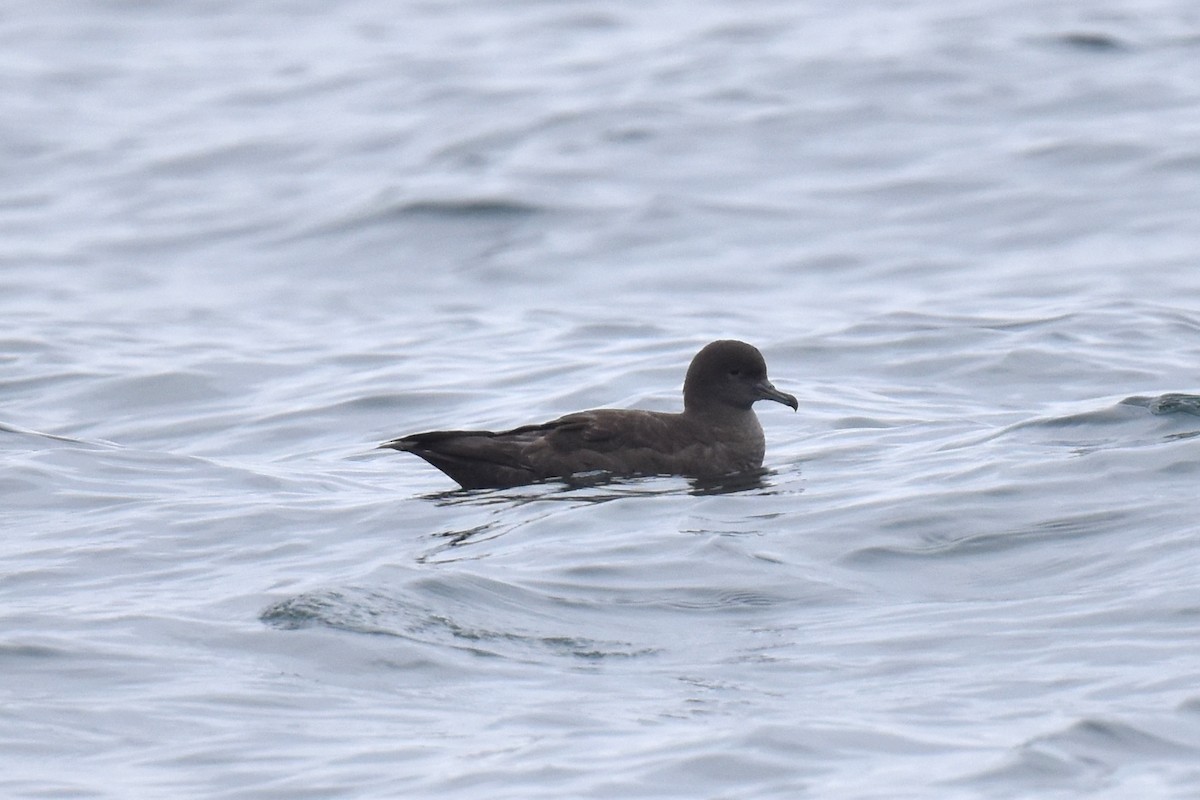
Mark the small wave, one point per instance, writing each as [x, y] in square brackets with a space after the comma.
[1167, 404]
[1087, 749]
[1119, 426]
[986, 544]
[405, 616]
[98, 444]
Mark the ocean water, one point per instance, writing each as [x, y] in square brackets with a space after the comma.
[244, 244]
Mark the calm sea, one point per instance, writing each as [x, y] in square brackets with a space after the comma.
[242, 244]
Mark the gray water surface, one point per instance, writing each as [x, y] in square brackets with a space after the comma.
[244, 245]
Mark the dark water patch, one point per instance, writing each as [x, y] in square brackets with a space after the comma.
[11, 652]
[12, 348]
[1184, 166]
[390, 401]
[470, 208]
[435, 220]
[1091, 42]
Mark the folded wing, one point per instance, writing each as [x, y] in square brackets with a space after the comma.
[613, 441]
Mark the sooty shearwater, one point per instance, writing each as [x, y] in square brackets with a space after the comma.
[716, 434]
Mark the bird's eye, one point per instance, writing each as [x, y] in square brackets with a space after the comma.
[737, 373]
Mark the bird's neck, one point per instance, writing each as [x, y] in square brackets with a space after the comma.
[722, 415]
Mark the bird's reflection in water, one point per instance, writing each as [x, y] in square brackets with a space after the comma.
[579, 490]
[755, 480]
[602, 487]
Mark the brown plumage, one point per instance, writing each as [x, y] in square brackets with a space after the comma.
[716, 434]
